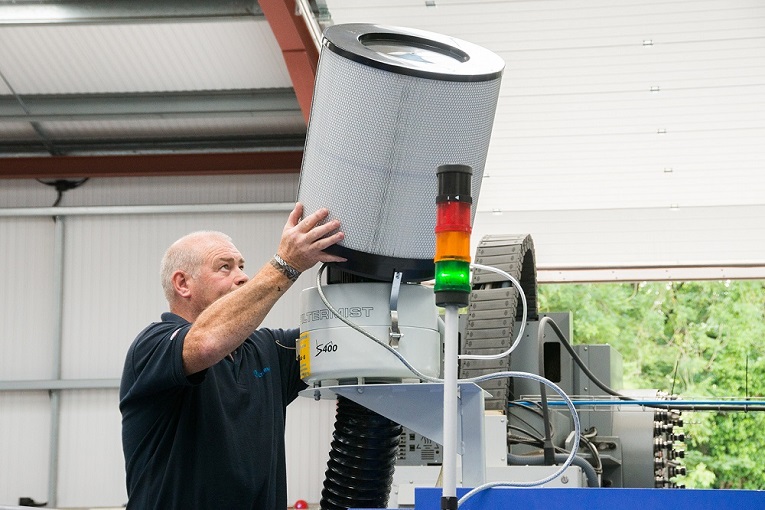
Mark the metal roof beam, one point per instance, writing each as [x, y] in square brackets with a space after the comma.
[299, 47]
[165, 105]
[62, 167]
[130, 146]
[98, 11]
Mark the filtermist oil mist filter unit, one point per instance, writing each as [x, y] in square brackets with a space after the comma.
[390, 106]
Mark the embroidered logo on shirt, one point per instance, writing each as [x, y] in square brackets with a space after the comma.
[259, 374]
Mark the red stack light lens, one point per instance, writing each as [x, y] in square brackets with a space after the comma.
[454, 216]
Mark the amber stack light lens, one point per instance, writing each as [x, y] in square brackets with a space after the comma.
[453, 212]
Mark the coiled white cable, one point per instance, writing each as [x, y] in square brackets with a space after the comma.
[574, 447]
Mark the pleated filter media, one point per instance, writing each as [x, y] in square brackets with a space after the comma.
[390, 106]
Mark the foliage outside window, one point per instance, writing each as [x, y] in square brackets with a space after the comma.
[698, 340]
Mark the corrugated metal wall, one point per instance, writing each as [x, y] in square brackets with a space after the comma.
[110, 292]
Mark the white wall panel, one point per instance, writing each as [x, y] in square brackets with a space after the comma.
[309, 432]
[26, 298]
[111, 290]
[24, 432]
[112, 266]
[208, 189]
[671, 237]
[25, 193]
[91, 468]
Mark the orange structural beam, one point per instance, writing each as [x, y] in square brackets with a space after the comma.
[298, 48]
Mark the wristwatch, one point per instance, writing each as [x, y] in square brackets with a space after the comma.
[286, 269]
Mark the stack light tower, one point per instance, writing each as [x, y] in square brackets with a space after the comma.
[453, 229]
[452, 290]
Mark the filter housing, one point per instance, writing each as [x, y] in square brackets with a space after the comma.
[330, 350]
[390, 106]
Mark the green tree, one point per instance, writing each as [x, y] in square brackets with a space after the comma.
[699, 340]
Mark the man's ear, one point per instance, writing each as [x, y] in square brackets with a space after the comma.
[180, 281]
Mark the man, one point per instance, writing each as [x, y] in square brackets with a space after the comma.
[203, 394]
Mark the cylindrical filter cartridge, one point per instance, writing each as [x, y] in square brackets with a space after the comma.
[390, 106]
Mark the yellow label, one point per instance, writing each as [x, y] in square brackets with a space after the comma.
[304, 354]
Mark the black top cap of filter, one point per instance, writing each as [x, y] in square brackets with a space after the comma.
[454, 183]
[413, 52]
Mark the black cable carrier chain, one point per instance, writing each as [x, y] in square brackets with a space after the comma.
[494, 309]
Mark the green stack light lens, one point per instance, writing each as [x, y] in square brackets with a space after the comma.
[453, 276]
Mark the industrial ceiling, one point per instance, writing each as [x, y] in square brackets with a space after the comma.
[628, 133]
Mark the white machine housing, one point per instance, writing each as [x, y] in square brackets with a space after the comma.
[332, 351]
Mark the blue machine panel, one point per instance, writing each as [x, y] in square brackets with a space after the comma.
[598, 499]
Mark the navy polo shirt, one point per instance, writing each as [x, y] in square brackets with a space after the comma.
[215, 439]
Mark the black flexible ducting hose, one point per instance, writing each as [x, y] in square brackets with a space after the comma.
[361, 460]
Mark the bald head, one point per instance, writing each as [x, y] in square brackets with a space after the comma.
[187, 254]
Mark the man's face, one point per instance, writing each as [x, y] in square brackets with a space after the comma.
[222, 271]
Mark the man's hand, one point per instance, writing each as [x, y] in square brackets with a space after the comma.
[303, 241]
